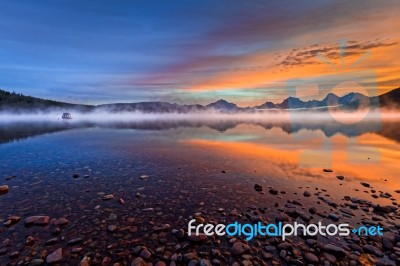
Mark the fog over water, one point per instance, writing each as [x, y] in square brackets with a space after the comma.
[271, 116]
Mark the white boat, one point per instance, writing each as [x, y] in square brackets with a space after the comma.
[66, 116]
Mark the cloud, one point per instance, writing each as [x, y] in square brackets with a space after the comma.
[309, 55]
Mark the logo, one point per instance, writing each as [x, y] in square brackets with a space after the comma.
[282, 230]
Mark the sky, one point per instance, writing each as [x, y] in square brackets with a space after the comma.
[247, 52]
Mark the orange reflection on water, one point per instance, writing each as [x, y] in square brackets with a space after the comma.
[369, 157]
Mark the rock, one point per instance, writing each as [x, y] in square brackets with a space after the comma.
[198, 238]
[306, 194]
[77, 250]
[267, 256]
[138, 262]
[258, 188]
[4, 189]
[145, 254]
[273, 191]
[205, 262]
[311, 258]
[36, 262]
[51, 241]
[37, 220]
[108, 197]
[74, 241]
[284, 246]
[282, 217]
[14, 255]
[373, 250]
[239, 248]
[144, 177]
[112, 228]
[29, 241]
[327, 170]
[383, 209]
[55, 257]
[335, 250]
[312, 210]
[60, 222]
[189, 256]
[11, 221]
[86, 261]
[365, 184]
[160, 263]
[333, 217]
[76, 175]
[340, 177]
[347, 211]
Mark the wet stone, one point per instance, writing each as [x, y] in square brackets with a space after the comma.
[145, 254]
[335, 250]
[36, 262]
[258, 188]
[61, 222]
[37, 220]
[311, 258]
[74, 241]
[365, 184]
[373, 250]
[273, 191]
[11, 220]
[4, 189]
[108, 197]
[55, 257]
[239, 248]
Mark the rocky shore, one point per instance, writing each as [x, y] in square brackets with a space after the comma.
[141, 228]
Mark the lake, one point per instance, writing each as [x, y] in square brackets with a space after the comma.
[117, 183]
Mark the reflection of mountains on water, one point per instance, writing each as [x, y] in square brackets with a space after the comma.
[21, 130]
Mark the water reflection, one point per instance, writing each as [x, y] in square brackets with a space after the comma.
[13, 131]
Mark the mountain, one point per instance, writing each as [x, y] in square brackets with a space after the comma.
[390, 99]
[11, 101]
[353, 100]
[223, 106]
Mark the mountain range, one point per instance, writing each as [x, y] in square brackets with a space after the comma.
[11, 101]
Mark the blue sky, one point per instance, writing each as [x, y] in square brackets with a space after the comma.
[183, 51]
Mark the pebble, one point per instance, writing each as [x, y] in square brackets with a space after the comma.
[365, 184]
[311, 258]
[335, 250]
[55, 257]
[273, 191]
[145, 254]
[373, 250]
[37, 220]
[108, 197]
[4, 189]
[239, 248]
[306, 194]
[138, 262]
[258, 188]
[11, 220]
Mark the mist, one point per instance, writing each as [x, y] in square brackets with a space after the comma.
[265, 115]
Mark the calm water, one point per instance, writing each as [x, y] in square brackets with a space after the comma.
[194, 167]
